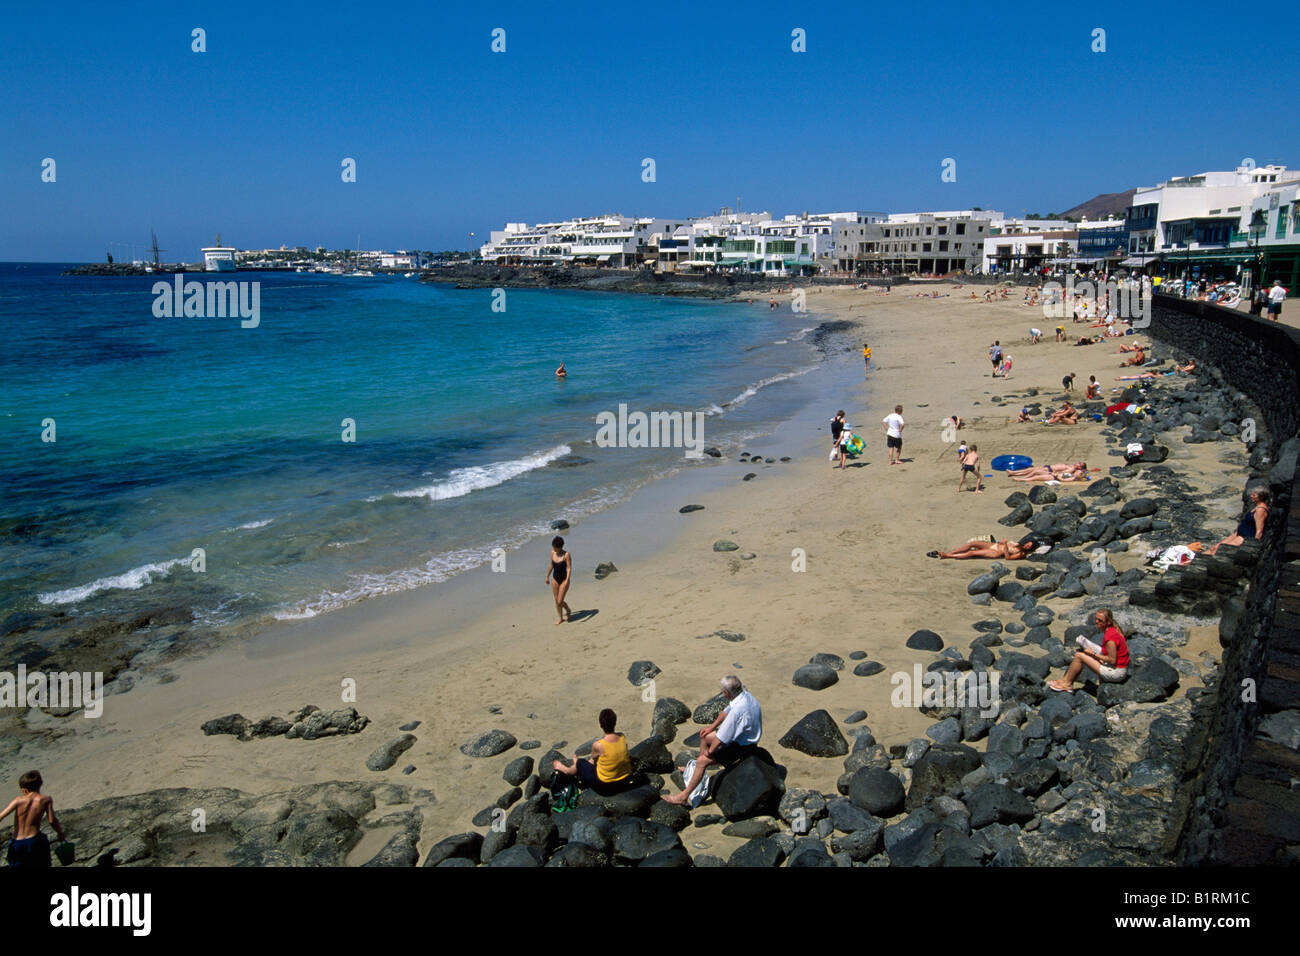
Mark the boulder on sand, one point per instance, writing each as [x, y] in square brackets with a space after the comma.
[815, 677]
[749, 789]
[817, 735]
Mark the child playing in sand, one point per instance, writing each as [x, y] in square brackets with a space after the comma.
[970, 465]
[29, 846]
[1094, 388]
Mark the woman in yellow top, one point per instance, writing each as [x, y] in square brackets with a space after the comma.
[612, 769]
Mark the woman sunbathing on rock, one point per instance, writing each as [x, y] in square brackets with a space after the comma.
[1251, 525]
[1057, 472]
[978, 548]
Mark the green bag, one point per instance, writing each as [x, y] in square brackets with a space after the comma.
[66, 851]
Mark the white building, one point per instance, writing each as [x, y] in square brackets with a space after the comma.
[1209, 211]
[926, 243]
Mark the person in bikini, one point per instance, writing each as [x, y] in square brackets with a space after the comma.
[30, 847]
[978, 548]
[1067, 414]
[1057, 472]
[559, 574]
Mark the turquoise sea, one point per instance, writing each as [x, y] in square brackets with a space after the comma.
[177, 434]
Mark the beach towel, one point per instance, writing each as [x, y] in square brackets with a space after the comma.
[701, 791]
[1175, 556]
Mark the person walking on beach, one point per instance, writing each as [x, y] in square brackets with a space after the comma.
[29, 846]
[894, 434]
[731, 737]
[970, 465]
[995, 355]
[866, 354]
[838, 427]
[559, 573]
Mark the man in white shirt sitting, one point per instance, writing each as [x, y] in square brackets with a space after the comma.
[729, 738]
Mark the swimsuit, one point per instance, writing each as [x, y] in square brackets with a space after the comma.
[967, 467]
[559, 569]
[32, 851]
[1246, 526]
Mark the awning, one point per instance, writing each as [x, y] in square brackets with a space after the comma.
[651, 262]
[1139, 261]
[602, 258]
[731, 262]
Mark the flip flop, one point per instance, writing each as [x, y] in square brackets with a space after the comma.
[1051, 685]
[932, 554]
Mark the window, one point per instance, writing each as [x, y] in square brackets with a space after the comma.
[925, 247]
[943, 230]
[961, 228]
[943, 245]
[928, 230]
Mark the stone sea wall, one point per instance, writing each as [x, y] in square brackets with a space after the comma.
[1240, 806]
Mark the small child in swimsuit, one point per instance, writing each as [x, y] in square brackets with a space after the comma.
[970, 463]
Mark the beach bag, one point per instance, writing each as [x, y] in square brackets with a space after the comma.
[564, 792]
[1133, 453]
[66, 851]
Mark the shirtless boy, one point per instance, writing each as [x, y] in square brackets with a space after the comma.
[31, 847]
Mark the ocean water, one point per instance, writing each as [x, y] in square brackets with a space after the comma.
[177, 434]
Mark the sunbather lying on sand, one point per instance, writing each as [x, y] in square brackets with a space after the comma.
[1006, 549]
[1135, 347]
[1057, 472]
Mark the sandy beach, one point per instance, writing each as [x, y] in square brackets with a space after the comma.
[445, 654]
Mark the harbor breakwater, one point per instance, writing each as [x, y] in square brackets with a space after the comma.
[642, 281]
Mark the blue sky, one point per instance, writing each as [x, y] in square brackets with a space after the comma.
[247, 139]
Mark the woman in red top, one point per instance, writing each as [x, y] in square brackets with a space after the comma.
[1109, 661]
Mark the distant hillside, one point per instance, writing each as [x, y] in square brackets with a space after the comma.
[1099, 207]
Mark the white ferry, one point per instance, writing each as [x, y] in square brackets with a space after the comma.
[219, 258]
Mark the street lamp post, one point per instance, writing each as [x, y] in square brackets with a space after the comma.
[1258, 223]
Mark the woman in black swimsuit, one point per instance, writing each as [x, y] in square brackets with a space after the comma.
[559, 574]
[1251, 525]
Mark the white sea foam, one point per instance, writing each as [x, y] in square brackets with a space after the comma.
[463, 481]
[761, 384]
[802, 333]
[131, 580]
[252, 524]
